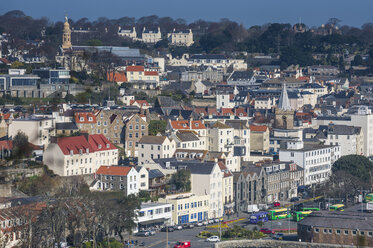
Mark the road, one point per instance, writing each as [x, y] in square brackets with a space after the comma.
[159, 239]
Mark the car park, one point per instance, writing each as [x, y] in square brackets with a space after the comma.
[213, 239]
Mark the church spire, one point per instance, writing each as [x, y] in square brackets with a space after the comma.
[284, 102]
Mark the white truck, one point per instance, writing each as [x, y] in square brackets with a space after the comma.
[369, 206]
[252, 208]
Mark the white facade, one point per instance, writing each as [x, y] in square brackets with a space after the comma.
[221, 138]
[153, 214]
[38, 130]
[149, 150]
[224, 101]
[316, 160]
[210, 184]
[143, 178]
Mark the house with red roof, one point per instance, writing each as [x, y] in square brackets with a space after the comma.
[79, 155]
[117, 178]
[141, 104]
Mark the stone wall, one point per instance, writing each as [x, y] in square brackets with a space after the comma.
[271, 244]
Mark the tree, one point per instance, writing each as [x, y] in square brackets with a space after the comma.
[21, 146]
[355, 165]
[157, 126]
[181, 180]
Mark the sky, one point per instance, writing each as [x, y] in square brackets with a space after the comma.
[247, 12]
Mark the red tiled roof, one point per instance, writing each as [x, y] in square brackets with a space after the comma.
[184, 124]
[6, 144]
[99, 139]
[226, 111]
[258, 128]
[139, 102]
[77, 144]
[5, 61]
[118, 77]
[83, 117]
[240, 112]
[74, 144]
[151, 73]
[135, 68]
[114, 170]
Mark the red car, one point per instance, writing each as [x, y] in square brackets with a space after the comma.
[182, 244]
[266, 231]
[276, 204]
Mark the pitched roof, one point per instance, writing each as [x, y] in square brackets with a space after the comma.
[84, 117]
[77, 144]
[116, 77]
[135, 68]
[184, 124]
[100, 143]
[152, 140]
[155, 173]
[200, 168]
[151, 73]
[220, 125]
[66, 126]
[256, 128]
[187, 136]
[114, 170]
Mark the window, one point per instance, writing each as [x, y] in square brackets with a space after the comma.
[130, 127]
[370, 234]
[362, 233]
[345, 232]
[317, 230]
[354, 232]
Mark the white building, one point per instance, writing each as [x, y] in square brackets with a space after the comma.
[38, 130]
[221, 137]
[155, 147]
[143, 177]
[127, 33]
[181, 38]
[149, 36]
[151, 214]
[362, 117]
[207, 179]
[79, 155]
[316, 160]
[224, 101]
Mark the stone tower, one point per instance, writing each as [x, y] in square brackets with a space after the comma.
[66, 37]
[284, 116]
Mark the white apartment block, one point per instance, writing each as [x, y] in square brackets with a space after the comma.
[316, 160]
[221, 137]
[151, 214]
[224, 101]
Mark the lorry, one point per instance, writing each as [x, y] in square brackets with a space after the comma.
[252, 208]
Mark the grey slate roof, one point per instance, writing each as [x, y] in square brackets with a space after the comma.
[186, 136]
[343, 220]
[66, 126]
[155, 174]
[340, 129]
[241, 76]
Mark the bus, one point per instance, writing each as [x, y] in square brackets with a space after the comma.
[337, 207]
[278, 214]
[297, 216]
[311, 209]
[258, 217]
[368, 197]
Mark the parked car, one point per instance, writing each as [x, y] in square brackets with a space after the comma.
[294, 199]
[205, 223]
[266, 231]
[200, 224]
[143, 234]
[182, 244]
[178, 227]
[279, 236]
[211, 221]
[213, 239]
[151, 232]
[276, 204]
[170, 229]
[188, 226]
[216, 220]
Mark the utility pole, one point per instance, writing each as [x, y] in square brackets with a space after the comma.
[166, 235]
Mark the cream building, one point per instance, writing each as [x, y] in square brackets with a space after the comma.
[80, 155]
[38, 130]
[155, 147]
[66, 36]
[181, 38]
[221, 137]
[151, 36]
[127, 33]
[188, 207]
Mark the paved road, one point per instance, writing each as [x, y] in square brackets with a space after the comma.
[159, 239]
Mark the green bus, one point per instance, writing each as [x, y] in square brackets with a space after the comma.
[337, 207]
[368, 197]
[277, 214]
[297, 216]
[311, 209]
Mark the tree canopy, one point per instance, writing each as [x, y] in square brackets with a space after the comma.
[355, 165]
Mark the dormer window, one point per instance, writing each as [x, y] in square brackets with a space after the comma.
[90, 119]
[81, 119]
[71, 152]
[87, 150]
[81, 151]
[107, 145]
[196, 124]
[99, 146]
[184, 125]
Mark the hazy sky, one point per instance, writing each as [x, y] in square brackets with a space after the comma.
[248, 12]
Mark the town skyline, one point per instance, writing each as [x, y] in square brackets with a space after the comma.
[350, 13]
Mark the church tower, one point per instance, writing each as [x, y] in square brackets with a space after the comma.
[66, 37]
[284, 116]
